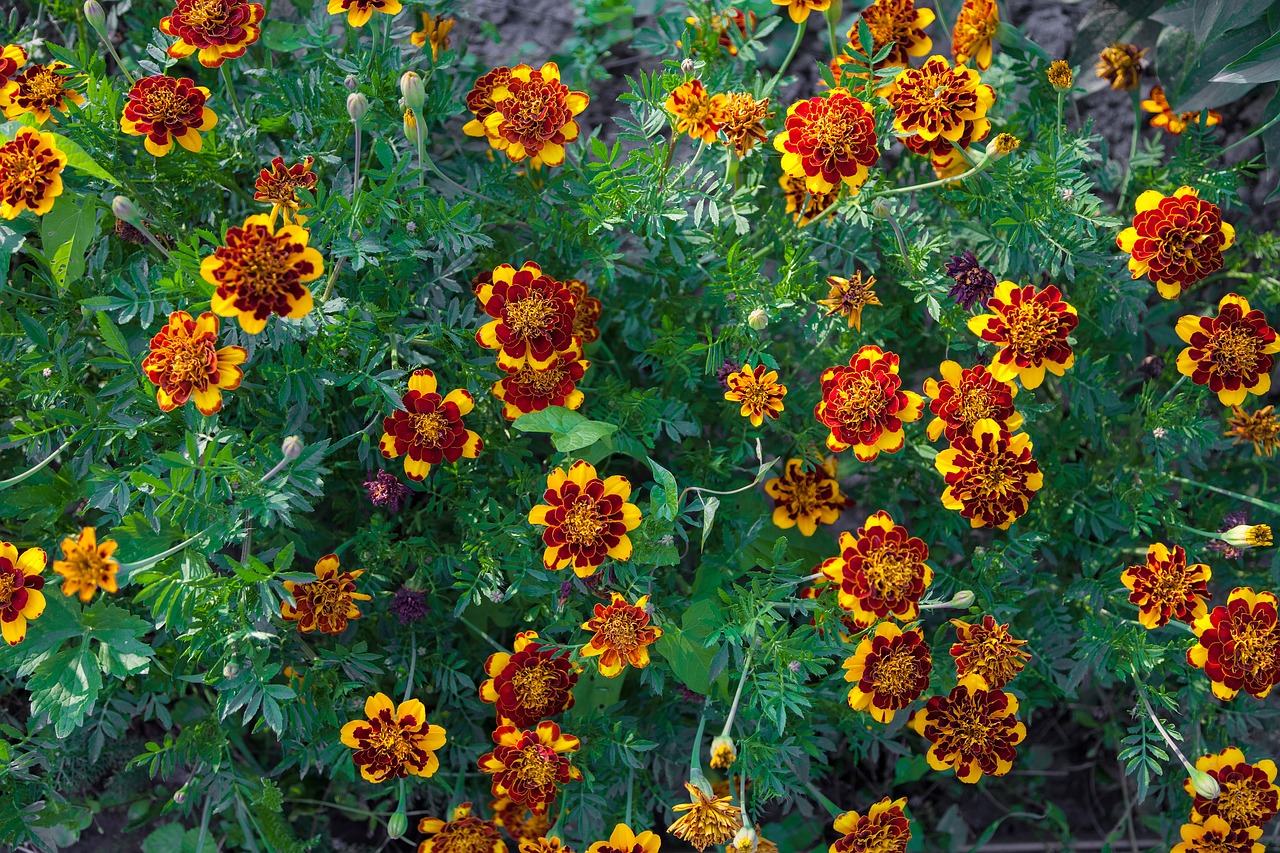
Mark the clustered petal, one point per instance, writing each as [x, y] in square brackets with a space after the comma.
[262, 271]
[864, 405]
[533, 318]
[530, 767]
[1165, 587]
[974, 729]
[587, 519]
[804, 498]
[277, 186]
[883, 829]
[829, 141]
[707, 819]
[393, 742]
[21, 599]
[1260, 428]
[1176, 240]
[990, 475]
[988, 649]
[30, 173]
[326, 603]
[39, 91]
[530, 684]
[881, 571]
[696, 112]
[1247, 793]
[889, 670]
[1238, 644]
[429, 429]
[974, 30]
[526, 113]
[1030, 327]
[163, 109]
[1230, 354]
[966, 396]
[186, 363]
[217, 30]
[895, 23]
[848, 296]
[758, 390]
[465, 833]
[621, 635]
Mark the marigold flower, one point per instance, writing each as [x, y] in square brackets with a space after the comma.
[898, 22]
[990, 475]
[973, 729]
[186, 363]
[623, 840]
[1231, 520]
[973, 282]
[393, 742]
[1238, 645]
[864, 405]
[758, 390]
[360, 11]
[938, 101]
[1230, 354]
[971, 38]
[278, 186]
[799, 10]
[530, 766]
[530, 684]
[39, 91]
[1030, 327]
[883, 829]
[527, 113]
[742, 119]
[1004, 143]
[20, 583]
[30, 173]
[480, 98]
[543, 845]
[86, 565]
[622, 635]
[533, 318]
[804, 499]
[520, 823]
[218, 29]
[327, 602]
[696, 111]
[1175, 123]
[529, 389]
[1165, 587]
[163, 109]
[1261, 429]
[889, 670]
[881, 571]
[1247, 536]
[465, 833]
[1060, 75]
[261, 271]
[708, 819]
[429, 429]
[988, 649]
[965, 396]
[1120, 64]
[435, 31]
[587, 311]
[802, 204]
[1176, 240]
[1247, 794]
[827, 141]
[1217, 836]
[848, 296]
[587, 519]
[12, 57]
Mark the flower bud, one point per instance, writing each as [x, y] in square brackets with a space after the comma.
[687, 65]
[291, 447]
[398, 825]
[95, 15]
[758, 319]
[410, 127]
[1205, 785]
[880, 207]
[357, 106]
[415, 94]
[123, 209]
[180, 795]
[350, 82]
[746, 841]
[963, 599]
[1248, 536]
[1003, 144]
[723, 752]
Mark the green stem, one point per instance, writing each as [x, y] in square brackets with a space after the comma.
[1258, 502]
[1062, 97]
[36, 468]
[231, 95]
[1133, 147]
[422, 169]
[737, 697]
[1169, 393]
[791, 54]
[1151, 712]
[355, 175]
[426, 158]
[695, 760]
[413, 661]
[832, 808]
[631, 781]
[490, 640]
[1251, 135]
[333, 276]
[146, 562]
[832, 15]
[978, 167]
[119, 62]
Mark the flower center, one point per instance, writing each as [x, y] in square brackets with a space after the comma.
[542, 383]
[190, 362]
[890, 569]
[620, 631]
[533, 104]
[44, 86]
[533, 685]
[895, 672]
[1031, 326]
[206, 13]
[803, 496]
[1255, 646]
[755, 395]
[388, 742]
[969, 726]
[529, 317]
[1235, 351]
[469, 835]
[1169, 587]
[864, 400]
[535, 766]
[993, 474]
[327, 596]
[430, 428]
[263, 265]
[1241, 803]
[583, 522]
[20, 168]
[975, 404]
[8, 585]
[86, 567]
[163, 105]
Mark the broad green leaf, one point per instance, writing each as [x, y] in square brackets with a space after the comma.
[111, 335]
[709, 506]
[665, 494]
[582, 435]
[78, 158]
[65, 687]
[1260, 65]
[70, 226]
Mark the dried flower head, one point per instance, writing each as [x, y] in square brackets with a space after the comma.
[1261, 429]
[742, 119]
[386, 492]
[1120, 64]
[974, 283]
[408, 605]
[707, 819]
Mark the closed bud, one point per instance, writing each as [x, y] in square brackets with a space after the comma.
[723, 752]
[123, 209]
[1205, 785]
[357, 106]
[350, 82]
[398, 825]
[410, 126]
[180, 795]
[686, 65]
[758, 319]
[880, 208]
[415, 94]
[963, 599]
[291, 447]
[95, 15]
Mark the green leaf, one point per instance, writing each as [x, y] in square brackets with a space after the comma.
[709, 506]
[111, 335]
[1260, 65]
[569, 430]
[665, 494]
[65, 688]
[71, 229]
[78, 158]
[582, 435]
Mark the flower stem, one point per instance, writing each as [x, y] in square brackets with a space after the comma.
[831, 807]
[1133, 148]
[34, 469]
[333, 276]
[490, 640]
[413, 661]
[833, 17]
[978, 167]
[631, 782]
[355, 174]
[422, 168]
[430, 164]
[1151, 712]
[695, 760]
[1267, 505]
[737, 697]
[791, 54]
[1251, 135]
[120, 62]
[231, 95]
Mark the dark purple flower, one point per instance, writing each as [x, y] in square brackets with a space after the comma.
[973, 282]
[408, 605]
[1228, 551]
[723, 371]
[386, 491]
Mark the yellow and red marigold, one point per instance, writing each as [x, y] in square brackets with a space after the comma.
[864, 405]
[529, 767]
[465, 833]
[881, 571]
[277, 186]
[622, 635]
[758, 390]
[527, 113]
[544, 845]
[520, 823]
[1175, 241]
[429, 429]
[1230, 354]
[217, 30]
[1247, 793]
[966, 396]
[587, 519]
[988, 649]
[1030, 327]
[1165, 587]
[973, 729]
[360, 11]
[163, 109]
[802, 204]
[39, 90]
[990, 475]
[889, 670]
[393, 742]
[883, 829]
[829, 141]
[86, 565]
[624, 840]
[533, 317]
[30, 173]
[530, 684]
[848, 296]
[806, 498]
[186, 363]
[708, 819]
[586, 309]
[972, 35]
[12, 57]
[696, 112]
[529, 389]
[742, 120]
[798, 10]
[326, 603]
[1217, 836]
[1238, 644]
[1175, 123]
[21, 599]
[1260, 428]
[937, 101]
[261, 271]
[896, 22]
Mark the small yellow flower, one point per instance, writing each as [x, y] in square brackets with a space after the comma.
[1121, 65]
[1060, 75]
[758, 390]
[708, 819]
[86, 565]
[1248, 536]
[723, 752]
[1005, 143]
[848, 296]
[435, 31]
[1261, 429]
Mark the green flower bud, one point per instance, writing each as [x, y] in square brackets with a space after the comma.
[758, 319]
[398, 825]
[1205, 785]
[357, 106]
[415, 94]
[123, 209]
[291, 447]
[95, 15]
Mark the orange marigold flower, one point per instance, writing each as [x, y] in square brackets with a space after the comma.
[697, 113]
[463, 834]
[163, 109]
[30, 173]
[360, 11]
[1175, 123]
[938, 101]
[881, 571]
[533, 317]
[799, 10]
[435, 32]
[261, 271]
[1230, 354]
[20, 583]
[530, 766]
[1261, 429]
[530, 684]
[965, 396]
[623, 840]
[806, 498]
[185, 362]
[587, 519]
[327, 602]
[989, 650]
[1238, 645]
[758, 390]
[520, 823]
[527, 113]
[972, 35]
[1215, 835]
[622, 635]
[848, 296]
[1030, 327]
[529, 389]
[802, 204]
[896, 22]
[393, 742]
[278, 186]
[1060, 75]
[889, 670]
[1247, 794]
[883, 829]
[543, 845]
[12, 57]
[587, 311]
[1165, 587]
[1176, 240]
[86, 565]
[708, 819]
[218, 29]
[429, 429]
[827, 141]
[864, 405]
[973, 729]
[1121, 65]
[39, 91]
[990, 475]
[742, 119]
